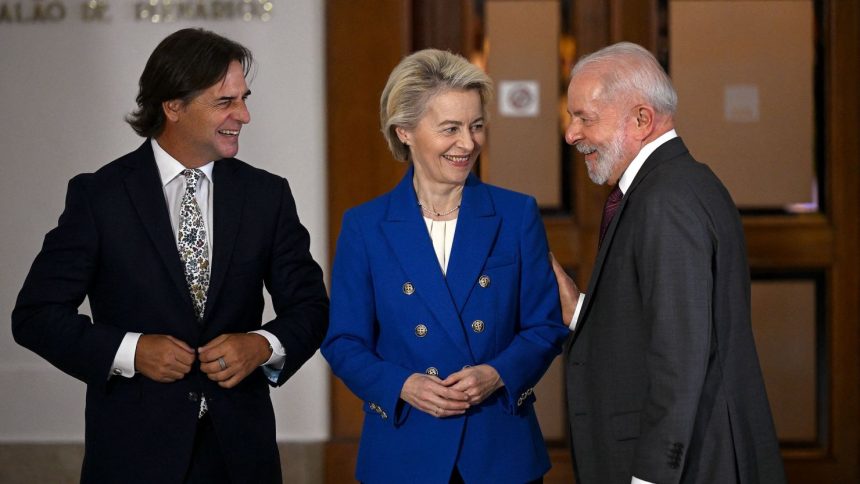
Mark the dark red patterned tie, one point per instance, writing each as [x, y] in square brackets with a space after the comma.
[612, 203]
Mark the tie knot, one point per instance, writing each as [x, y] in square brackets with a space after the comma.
[191, 179]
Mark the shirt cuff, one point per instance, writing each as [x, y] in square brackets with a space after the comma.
[639, 481]
[572, 324]
[123, 362]
[276, 360]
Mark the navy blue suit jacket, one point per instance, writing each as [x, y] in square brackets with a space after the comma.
[114, 244]
[373, 344]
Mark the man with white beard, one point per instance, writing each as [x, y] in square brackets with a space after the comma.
[663, 380]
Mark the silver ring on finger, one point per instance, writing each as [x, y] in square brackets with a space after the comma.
[222, 363]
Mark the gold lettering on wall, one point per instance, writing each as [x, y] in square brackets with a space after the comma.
[32, 12]
[94, 11]
[157, 11]
[153, 11]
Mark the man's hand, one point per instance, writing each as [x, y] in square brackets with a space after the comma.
[163, 358]
[428, 394]
[568, 293]
[229, 358]
[476, 382]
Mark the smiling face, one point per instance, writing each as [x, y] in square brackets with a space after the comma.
[599, 129]
[207, 127]
[448, 138]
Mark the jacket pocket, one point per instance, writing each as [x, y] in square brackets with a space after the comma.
[500, 260]
[124, 389]
[626, 426]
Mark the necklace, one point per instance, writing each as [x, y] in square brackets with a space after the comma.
[437, 214]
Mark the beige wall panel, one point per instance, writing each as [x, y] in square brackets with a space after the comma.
[783, 315]
[524, 151]
[549, 403]
[744, 75]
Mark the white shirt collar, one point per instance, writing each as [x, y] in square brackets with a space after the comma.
[169, 168]
[631, 171]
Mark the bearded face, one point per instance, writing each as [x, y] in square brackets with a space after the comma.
[600, 128]
[609, 155]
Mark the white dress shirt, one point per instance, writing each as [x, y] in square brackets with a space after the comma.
[624, 184]
[442, 236]
[173, 184]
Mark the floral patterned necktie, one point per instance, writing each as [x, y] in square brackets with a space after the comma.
[193, 247]
[194, 252]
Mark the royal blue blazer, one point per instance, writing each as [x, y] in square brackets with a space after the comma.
[393, 313]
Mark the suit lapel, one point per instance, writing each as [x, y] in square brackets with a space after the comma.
[229, 192]
[406, 233]
[477, 226]
[666, 151]
[143, 185]
[598, 264]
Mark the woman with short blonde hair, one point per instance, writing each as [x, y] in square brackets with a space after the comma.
[443, 336]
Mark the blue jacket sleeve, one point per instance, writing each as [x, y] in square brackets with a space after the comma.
[541, 331]
[350, 342]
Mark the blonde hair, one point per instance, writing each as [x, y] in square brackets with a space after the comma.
[416, 79]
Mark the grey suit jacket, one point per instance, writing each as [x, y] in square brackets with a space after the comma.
[663, 379]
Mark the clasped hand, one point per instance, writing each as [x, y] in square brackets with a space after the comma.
[453, 395]
[166, 359]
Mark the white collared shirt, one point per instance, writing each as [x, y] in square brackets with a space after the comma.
[442, 236]
[173, 185]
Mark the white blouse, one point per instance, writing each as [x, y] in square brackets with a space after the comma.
[442, 235]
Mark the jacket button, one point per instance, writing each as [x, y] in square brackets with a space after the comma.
[484, 281]
[192, 396]
[478, 326]
[408, 288]
[432, 371]
[421, 331]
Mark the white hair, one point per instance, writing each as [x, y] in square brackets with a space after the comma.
[627, 69]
